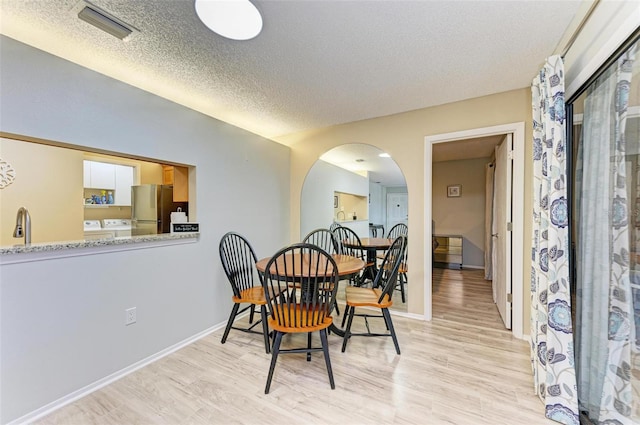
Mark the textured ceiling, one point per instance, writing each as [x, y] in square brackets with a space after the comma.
[316, 63]
[362, 158]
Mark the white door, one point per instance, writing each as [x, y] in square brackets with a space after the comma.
[501, 229]
[397, 209]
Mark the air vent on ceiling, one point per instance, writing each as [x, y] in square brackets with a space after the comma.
[106, 22]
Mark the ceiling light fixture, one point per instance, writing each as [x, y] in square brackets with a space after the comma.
[104, 21]
[233, 19]
[384, 155]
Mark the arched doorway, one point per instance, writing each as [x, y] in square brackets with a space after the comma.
[350, 184]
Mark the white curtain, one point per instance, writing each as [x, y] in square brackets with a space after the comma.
[488, 223]
[604, 299]
[551, 326]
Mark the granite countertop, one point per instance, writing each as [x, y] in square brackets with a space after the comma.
[122, 242]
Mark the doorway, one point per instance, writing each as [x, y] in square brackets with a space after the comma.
[397, 209]
[517, 223]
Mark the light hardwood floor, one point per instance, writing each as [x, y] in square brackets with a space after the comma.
[460, 368]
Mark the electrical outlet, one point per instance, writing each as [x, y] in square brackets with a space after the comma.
[130, 316]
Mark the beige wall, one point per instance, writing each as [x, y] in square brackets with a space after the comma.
[463, 215]
[402, 136]
[49, 184]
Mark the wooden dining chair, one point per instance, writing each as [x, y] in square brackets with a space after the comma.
[239, 263]
[334, 226]
[304, 307]
[377, 297]
[324, 239]
[400, 229]
[352, 247]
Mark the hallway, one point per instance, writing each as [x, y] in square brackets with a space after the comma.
[464, 297]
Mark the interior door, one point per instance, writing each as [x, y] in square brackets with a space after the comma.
[501, 229]
[397, 209]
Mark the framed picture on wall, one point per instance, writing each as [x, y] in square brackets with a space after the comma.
[454, 191]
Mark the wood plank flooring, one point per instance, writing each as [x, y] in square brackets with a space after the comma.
[460, 368]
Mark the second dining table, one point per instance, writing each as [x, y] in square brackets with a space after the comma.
[347, 266]
[371, 245]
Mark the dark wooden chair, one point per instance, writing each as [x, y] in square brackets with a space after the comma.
[377, 297]
[350, 244]
[334, 226]
[324, 239]
[239, 263]
[303, 307]
[400, 229]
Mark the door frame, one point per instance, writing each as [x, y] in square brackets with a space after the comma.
[518, 189]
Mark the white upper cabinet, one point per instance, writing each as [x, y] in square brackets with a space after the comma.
[124, 181]
[111, 177]
[102, 175]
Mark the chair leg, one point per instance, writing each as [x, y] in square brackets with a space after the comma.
[309, 346]
[344, 318]
[265, 328]
[232, 317]
[274, 359]
[402, 282]
[325, 350]
[347, 331]
[387, 319]
[252, 311]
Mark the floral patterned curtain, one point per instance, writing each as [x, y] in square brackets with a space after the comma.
[551, 325]
[604, 297]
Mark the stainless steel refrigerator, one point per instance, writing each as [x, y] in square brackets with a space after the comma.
[151, 207]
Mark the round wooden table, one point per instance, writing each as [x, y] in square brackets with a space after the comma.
[371, 245]
[347, 266]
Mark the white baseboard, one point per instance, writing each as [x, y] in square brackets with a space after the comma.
[70, 398]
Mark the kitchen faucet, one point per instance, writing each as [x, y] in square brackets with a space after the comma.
[338, 215]
[23, 217]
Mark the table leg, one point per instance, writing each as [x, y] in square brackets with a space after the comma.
[372, 270]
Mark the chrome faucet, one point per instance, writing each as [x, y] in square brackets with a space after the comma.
[338, 215]
[23, 217]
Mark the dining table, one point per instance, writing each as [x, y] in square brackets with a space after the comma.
[347, 266]
[371, 245]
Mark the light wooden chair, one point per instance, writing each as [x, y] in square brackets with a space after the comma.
[239, 263]
[302, 307]
[355, 249]
[377, 297]
[324, 239]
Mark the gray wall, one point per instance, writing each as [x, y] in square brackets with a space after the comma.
[323, 179]
[62, 320]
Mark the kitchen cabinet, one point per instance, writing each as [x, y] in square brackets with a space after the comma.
[179, 178]
[449, 250]
[124, 181]
[101, 175]
[116, 178]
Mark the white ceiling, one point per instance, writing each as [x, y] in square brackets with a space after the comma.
[316, 63]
